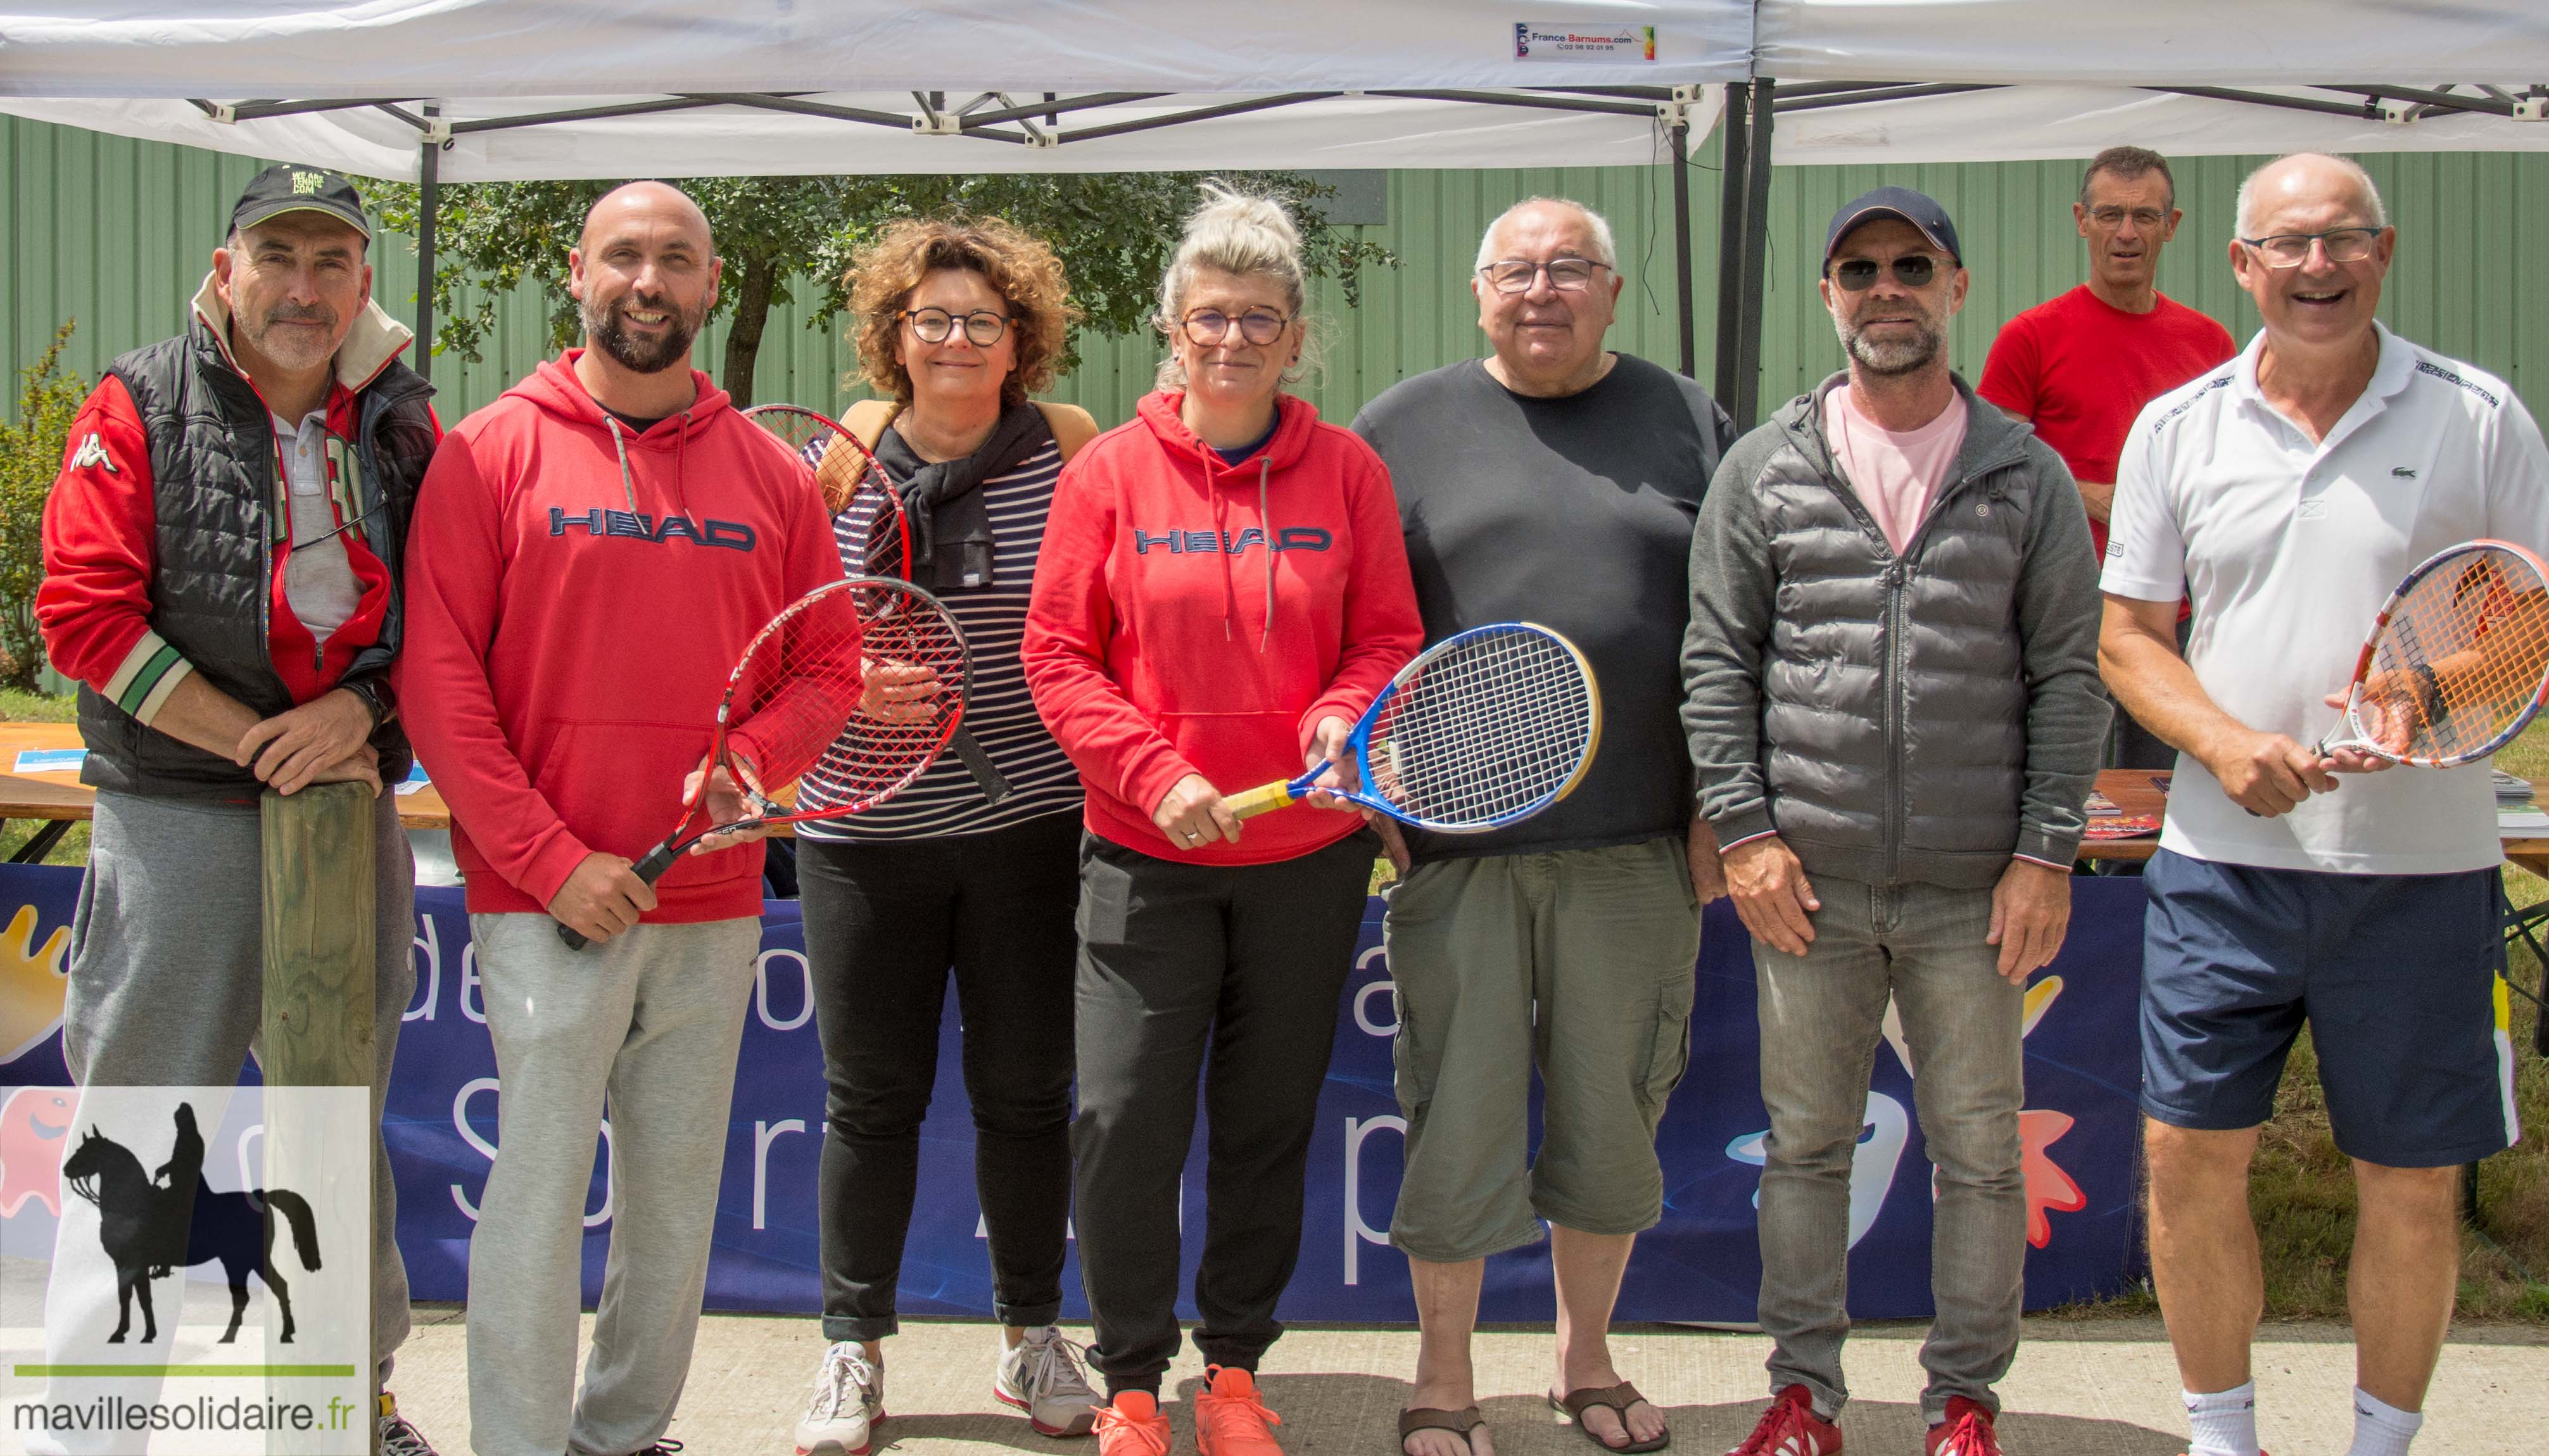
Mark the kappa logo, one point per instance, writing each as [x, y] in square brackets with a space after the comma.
[1210, 542]
[734, 536]
[92, 452]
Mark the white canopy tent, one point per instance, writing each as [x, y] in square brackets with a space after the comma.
[510, 89]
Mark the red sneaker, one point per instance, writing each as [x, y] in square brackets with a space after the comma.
[1967, 1430]
[1131, 1425]
[1231, 1418]
[1790, 1427]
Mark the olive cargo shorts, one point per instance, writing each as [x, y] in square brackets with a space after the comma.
[1603, 943]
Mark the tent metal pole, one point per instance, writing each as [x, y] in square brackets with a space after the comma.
[1679, 135]
[1735, 134]
[1747, 407]
[429, 177]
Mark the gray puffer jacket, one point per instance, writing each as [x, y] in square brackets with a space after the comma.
[1894, 720]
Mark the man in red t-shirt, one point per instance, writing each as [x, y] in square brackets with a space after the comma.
[2080, 366]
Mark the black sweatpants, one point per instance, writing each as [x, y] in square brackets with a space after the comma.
[884, 921]
[1230, 973]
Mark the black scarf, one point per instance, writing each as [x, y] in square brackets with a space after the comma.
[952, 546]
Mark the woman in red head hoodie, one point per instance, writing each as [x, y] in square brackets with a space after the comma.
[1223, 591]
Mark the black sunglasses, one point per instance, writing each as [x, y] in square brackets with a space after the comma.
[1859, 274]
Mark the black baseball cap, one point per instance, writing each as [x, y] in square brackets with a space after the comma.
[286, 189]
[1919, 209]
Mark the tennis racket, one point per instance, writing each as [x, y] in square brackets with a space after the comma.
[2457, 663]
[792, 717]
[862, 499]
[1480, 730]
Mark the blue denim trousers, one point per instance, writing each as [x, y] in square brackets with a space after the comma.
[1821, 1017]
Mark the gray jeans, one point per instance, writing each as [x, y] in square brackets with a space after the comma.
[167, 973]
[1821, 1017]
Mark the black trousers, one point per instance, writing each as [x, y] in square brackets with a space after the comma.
[884, 922]
[1228, 973]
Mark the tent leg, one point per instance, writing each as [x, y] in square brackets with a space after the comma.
[1679, 135]
[428, 202]
[1735, 130]
[1746, 405]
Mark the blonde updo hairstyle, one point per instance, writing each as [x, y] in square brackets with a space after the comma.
[1248, 234]
[1018, 265]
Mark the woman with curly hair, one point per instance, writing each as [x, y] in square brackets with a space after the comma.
[958, 321]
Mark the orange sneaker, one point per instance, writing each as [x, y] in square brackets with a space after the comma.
[1131, 1425]
[1231, 1418]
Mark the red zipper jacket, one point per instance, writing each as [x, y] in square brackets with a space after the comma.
[1165, 637]
[577, 595]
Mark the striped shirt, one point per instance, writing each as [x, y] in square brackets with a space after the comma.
[945, 799]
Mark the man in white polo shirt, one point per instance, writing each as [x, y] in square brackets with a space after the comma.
[2286, 493]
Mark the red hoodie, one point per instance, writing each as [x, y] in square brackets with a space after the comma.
[1150, 646]
[573, 613]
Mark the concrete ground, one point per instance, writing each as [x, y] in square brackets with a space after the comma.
[2080, 1388]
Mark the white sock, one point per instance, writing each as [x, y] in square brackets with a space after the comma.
[2382, 1430]
[2224, 1423]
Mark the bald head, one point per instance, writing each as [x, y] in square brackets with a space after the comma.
[648, 207]
[2310, 190]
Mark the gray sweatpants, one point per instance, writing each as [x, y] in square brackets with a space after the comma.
[167, 973]
[651, 1020]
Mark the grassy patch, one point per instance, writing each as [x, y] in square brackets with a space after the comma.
[19, 706]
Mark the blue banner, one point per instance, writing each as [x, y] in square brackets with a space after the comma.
[1702, 1263]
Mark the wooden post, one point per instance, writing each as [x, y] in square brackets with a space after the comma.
[319, 938]
[320, 919]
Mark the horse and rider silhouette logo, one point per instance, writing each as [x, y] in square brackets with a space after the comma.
[154, 1224]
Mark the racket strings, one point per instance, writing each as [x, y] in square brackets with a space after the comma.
[1485, 731]
[871, 757]
[2459, 661]
[854, 485]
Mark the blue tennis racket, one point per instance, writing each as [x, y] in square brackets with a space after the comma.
[1480, 730]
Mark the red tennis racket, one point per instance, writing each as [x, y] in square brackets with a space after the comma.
[855, 487]
[797, 716]
[2457, 663]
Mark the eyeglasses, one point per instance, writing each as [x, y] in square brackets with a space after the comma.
[1208, 326]
[1859, 274]
[933, 326]
[2291, 249]
[2113, 216]
[1516, 276]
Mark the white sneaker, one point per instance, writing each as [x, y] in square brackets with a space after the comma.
[1040, 1375]
[849, 1399]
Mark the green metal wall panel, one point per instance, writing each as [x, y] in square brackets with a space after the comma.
[119, 234]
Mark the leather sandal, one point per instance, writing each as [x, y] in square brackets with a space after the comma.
[1425, 1417]
[1618, 1399]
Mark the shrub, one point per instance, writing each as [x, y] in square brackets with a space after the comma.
[31, 456]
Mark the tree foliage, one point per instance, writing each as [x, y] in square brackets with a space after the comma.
[781, 235]
[31, 456]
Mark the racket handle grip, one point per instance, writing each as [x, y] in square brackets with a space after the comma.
[651, 869]
[1264, 799]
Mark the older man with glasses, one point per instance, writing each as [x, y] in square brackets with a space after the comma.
[1553, 481]
[2289, 490]
[2079, 367]
[1895, 714]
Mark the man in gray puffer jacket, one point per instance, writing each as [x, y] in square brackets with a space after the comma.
[1895, 713]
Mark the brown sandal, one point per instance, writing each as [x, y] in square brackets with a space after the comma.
[1425, 1417]
[1616, 1397]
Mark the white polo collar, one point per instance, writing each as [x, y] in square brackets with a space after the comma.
[2391, 375]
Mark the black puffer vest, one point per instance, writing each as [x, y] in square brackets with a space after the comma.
[213, 474]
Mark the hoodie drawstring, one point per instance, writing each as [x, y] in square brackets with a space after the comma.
[1265, 523]
[627, 487]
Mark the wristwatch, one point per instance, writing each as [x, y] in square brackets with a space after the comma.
[376, 695]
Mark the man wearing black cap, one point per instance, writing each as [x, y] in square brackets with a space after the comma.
[1894, 711]
[222, 575]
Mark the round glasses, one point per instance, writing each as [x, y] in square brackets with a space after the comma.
[1514, 275]
[2291, 249]
[933, 326]
[1208, 326]
[1859, 274]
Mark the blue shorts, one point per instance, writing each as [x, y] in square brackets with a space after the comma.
[2395, 975]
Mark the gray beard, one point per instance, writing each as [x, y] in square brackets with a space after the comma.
[603, 332]
[1890, 357]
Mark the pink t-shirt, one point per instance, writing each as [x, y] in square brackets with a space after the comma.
[1896, 476]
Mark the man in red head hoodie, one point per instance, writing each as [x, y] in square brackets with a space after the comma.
[604, 539]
